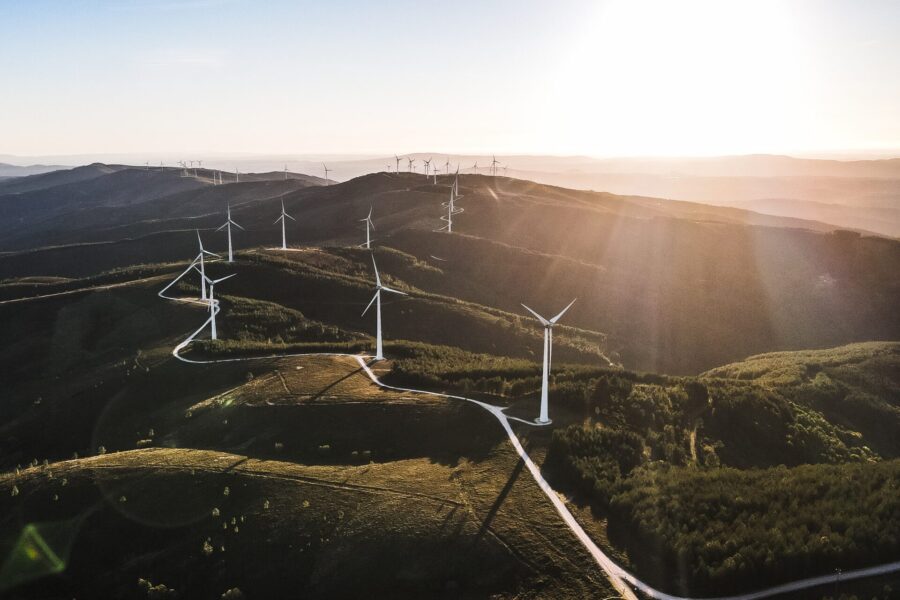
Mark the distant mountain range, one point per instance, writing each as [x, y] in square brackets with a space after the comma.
[852, 194]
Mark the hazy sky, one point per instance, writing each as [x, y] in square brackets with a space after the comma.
[595, 77]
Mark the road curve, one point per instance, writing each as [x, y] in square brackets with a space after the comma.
[623, 581]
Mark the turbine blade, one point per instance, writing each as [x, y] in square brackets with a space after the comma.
[543, 321]
[562, 312]
[370, 305]
[393, 291]
[377, 278]
[278, 219]
[236, 225]
[222, 227]
[290, 217]
[211, 253]
[224, 278]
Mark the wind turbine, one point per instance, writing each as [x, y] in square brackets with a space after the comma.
[379, 353]
[283, 221]
[451, 207]
[369, 223]
[285, 172]
[411, 161]
[228, 224]
[397, 161]
[203, 266]
[494, 163]
[326, 172]
[237, 175]
[427, 166]
[213, 305]
[434, 172]
[475, 168]
[544, 419]
[447, 166]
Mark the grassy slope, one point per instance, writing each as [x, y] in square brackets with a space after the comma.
[507, 538]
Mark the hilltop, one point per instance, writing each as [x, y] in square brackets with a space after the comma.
[676, 287]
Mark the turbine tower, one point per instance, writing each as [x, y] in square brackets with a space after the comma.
[228, 224]
[379, 351]
[411, 161]
[369, 224]
[326, 172]
[213, 304]
[285, 172]
[203, 266]
[544, 419]
[397, 161]
[494, 163]
[283, 221]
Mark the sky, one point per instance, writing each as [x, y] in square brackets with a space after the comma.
[594, 77]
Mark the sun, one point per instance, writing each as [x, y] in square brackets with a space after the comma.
[687, 77]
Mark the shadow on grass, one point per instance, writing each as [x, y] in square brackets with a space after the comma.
[485, 525]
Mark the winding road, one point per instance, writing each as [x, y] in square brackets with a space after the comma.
[623, 581]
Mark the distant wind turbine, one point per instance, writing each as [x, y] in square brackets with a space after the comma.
[283, 221]
[379, 351]
[427, 166]
[326, 173]
[411, 161]
[200, 257]
[213, 306]
[369, 224]
[285, 172]
[475, 168]
[544, 419]
[237, 175]
[450, 205]
[227, 225]
[494, 163]
[397, 160]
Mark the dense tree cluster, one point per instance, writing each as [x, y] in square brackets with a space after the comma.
[725, 530]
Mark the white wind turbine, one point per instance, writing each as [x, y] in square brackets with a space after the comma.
[397, 161]
[228, 224]
[434, 172]
[427, 166]
[450, 205]
[237, 175]
[475, 168]
[369, 224]
[202, 269]
[285, 172]
[379, 352]
[283, 221]
[411, 161]
[494, 163]
[544, 419]
[213, 303]
[326, 172]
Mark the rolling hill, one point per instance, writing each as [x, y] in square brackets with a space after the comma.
[677, 287]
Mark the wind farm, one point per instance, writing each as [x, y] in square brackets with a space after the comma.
[522, 327]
